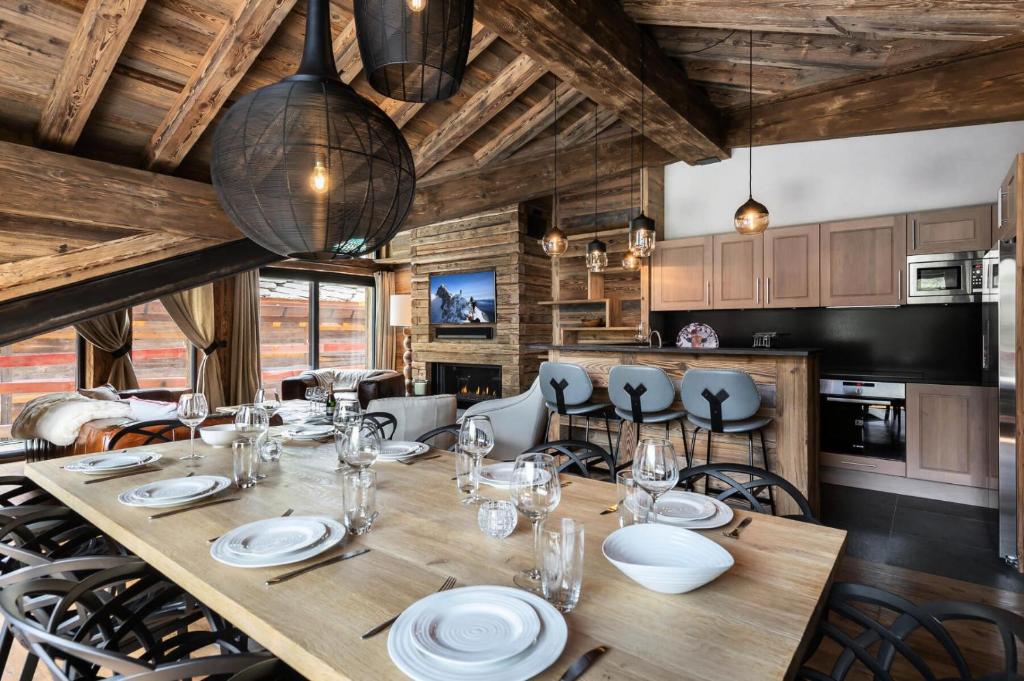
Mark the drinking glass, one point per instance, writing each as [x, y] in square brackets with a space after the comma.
[561, 564]
[310, 396]
[358, 445]
[193, 410]
[497, 519]
[634, 503]
[655, 469]
[476, 436]
[244, 463]
[359, 498]
[347, 413]
[467, 476]
[536, 492]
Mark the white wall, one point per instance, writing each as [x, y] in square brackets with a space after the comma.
[845, 178]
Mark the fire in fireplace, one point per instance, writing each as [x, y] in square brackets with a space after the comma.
[470, 383]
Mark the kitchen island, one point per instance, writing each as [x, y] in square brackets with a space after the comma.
[786, 378]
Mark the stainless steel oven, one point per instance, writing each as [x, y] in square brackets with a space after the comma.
[864, 418]
[946, 277]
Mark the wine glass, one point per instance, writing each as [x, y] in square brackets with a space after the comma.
[476, 436]
[193, 410]
[655, 469]
[535, 492]
[358, 445]
[347, 413]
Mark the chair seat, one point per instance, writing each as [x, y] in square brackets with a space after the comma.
[580, 409]
[657, 417]
[741, 426]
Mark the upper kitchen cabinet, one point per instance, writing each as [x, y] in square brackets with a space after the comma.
[1009, 201]
[738, 271]
[863, 261]
[791, 260]
[950, 230]
[681, 274]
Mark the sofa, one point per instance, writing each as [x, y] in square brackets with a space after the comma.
[362, 384]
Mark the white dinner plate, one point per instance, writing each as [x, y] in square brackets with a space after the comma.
[174, 492]
[307, 432]
[476, 628]
[420, 666]
[227, 410]
[393, 450]
[500, 474]
[220, 552]
[277, 537]
[722, 516]
[686, 506]
[113, 462]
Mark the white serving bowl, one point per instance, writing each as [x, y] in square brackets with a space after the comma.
[220, 435]
[666, 559]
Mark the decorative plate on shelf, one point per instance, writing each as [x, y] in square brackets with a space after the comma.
[697, 335]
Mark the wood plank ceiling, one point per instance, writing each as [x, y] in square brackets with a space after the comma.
[142, 83]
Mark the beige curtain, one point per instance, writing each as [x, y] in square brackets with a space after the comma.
[383, 332]
[192, 311]
[112, 333]
[244, 368]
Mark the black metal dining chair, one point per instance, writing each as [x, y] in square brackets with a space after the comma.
[451, 430]
[385, 423]
[747, 491]
[17, 490]
[577, 457]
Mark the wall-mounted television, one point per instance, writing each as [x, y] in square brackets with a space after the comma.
[462, 298]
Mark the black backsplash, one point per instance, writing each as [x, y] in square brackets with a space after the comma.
[929, 342]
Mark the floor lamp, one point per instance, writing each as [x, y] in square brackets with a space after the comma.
[401, 315]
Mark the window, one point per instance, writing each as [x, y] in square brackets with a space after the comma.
[298, 315]
[30, 368]
[160, 352]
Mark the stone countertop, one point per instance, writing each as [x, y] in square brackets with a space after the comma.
[673, 350]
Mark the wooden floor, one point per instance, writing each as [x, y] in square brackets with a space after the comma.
[911, 584]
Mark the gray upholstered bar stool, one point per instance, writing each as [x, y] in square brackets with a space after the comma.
[723, 401]
[643, 394]
[567, 390]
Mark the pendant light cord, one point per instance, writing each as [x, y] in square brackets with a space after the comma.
[750, 120]
[643, 145]
[555, 124]
[595, 170]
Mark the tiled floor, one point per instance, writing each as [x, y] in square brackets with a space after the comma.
[937, 537]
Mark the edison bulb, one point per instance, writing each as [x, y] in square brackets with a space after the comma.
[416, 5]
[630, 261]
[554, 242]
[318, 180]
[751, 217]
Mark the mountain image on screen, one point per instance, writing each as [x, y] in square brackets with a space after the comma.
[448, 307]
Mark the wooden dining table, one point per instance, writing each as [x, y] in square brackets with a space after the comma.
[752, 623]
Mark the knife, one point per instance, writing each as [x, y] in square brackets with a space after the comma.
[582, 663]
[214, 502]
[314, 566]
[137, 471]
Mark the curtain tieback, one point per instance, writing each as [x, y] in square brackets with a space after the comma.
[122, 351]
[212, 347]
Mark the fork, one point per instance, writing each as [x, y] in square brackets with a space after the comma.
[734, 533]
[283, 515]
[448, 583]
[414, 459]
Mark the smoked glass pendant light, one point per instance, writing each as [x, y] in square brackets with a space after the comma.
[554, 241]
[631, 261]
[597, 251]
[641, 228]
[752, 216]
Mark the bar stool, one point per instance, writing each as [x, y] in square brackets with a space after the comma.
[643, 394]
[567, 390]
[724, 401]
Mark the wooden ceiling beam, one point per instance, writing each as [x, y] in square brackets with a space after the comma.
[403, 112]
[933, 20]
[512, 81]
[232, 53]
[972, 86]
[346, 53]
[39, 184]
[582, 129]
[595, 46]
[531, 123]
[93, 52]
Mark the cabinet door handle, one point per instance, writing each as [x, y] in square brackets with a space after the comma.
[1000, 195]
[757, 290]
[707, 286]
[767, 290]
[857, 463]
[899, 285]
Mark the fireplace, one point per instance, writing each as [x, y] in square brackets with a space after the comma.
[470, 383]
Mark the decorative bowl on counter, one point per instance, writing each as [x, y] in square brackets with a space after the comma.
[697, 335]
[220, 435]
[666, 559]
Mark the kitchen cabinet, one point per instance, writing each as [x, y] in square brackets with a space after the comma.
[1009, 201]
[738, 271]
[950, 230]
[681, 274]
[863, 261]
[791, 257]
[949, 434]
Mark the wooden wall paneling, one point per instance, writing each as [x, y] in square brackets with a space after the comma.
[224, 310]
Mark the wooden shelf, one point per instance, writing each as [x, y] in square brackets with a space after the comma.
[597, 328]
[576, 301]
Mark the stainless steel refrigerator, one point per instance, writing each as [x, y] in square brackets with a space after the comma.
[1007, 321]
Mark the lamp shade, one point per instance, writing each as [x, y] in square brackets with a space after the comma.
[400, 309]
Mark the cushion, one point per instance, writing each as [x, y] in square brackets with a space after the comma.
[151, 410]
[103, 392]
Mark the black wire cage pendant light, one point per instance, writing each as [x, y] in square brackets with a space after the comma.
[642, 233]
[752, 216]
[308, 168]
[414, 50]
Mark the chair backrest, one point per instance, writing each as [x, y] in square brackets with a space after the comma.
[751, 481]
[518, 421]
[444, 437]
[417, 415]
[734, 389]
[17, 490]
[46, 535]
[384, 422]
[577, 456]
[565, 385]
[640, 389]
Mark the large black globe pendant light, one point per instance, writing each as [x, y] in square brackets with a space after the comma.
[642, 234]
[309, 169]
[752, 217]
[414, 50]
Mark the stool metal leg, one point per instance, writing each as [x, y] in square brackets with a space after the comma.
[750, 448]
[764, 454]
[608, 431]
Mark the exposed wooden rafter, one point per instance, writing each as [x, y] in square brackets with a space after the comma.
[92, 53]
[346, 53]
[531, 123]
[594, 46]
[514, 79]
[582, 129]
[229, 57]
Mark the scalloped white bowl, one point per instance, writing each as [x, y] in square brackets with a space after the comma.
[220, 435]
[666, 559]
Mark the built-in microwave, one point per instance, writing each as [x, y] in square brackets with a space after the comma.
[947, 277]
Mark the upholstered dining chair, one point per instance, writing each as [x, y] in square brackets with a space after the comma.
[417, 415]
[386, 424]
[644, 395]
[743, 486]
[568, 390]
[518, 421]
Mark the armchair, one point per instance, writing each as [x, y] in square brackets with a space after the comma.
[367, 385]
[519, 422]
